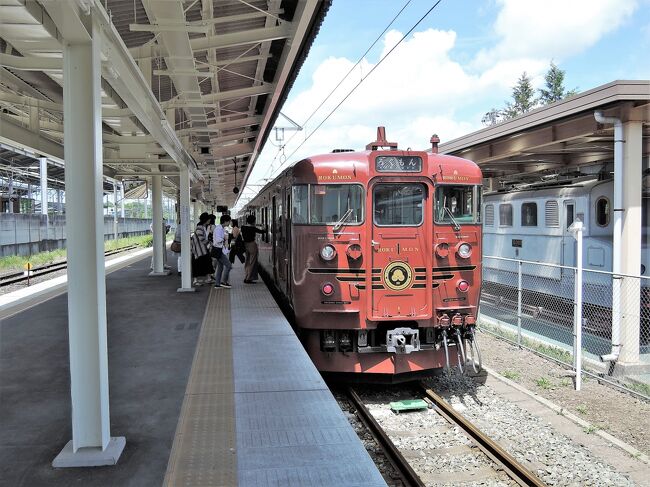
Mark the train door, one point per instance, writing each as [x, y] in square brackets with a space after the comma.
[287, 224]
[400, 250]
[274, 215]
[568, 242]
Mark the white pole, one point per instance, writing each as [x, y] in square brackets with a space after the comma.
[43, 164]
[122, 204]
[186, 262]
[519, 264]
[157, 226]
[577, 315]
[115, 222]
[86, 274]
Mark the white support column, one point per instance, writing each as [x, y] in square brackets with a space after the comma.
[631, 243]
[10, 189]
[115, 221]
[157, 227]
[186, 261]
[122, 205]
[43, 164]
[91, 443]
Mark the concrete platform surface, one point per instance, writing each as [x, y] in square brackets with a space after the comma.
[152, 335]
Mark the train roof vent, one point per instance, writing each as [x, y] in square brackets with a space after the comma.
[489, 215]
[336, 151]
[552, 214]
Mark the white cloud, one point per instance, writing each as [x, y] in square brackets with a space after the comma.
[552, 28]
[420, 89]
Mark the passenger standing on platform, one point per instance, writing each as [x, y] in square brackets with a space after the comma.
[237, 248]
[220, 252]
[248, 232]
[202, 264]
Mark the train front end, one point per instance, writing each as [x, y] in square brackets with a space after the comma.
[387, 285]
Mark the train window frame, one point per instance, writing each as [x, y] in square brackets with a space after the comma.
[505, 206]
[524, 206]
[490, 222]
[597, 211]
[476, 205]
[410, 225]
[294, 200]
[362, 208]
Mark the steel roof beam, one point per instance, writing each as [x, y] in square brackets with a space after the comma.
[233, 150]
[252, 36]
[263, 89]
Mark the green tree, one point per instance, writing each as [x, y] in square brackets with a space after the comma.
[523, 96]
[554, 86]
[492, 117]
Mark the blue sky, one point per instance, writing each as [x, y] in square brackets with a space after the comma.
[459, 62]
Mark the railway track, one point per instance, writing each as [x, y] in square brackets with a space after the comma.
[419, 466]
[19, 276]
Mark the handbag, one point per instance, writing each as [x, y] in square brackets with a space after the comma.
[175, 246]
[216, 252]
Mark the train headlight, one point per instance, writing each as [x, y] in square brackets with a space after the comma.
[463, 286]
[442, 250]
[328, 252]
[327, 289]
[464, 250]
[354, 251]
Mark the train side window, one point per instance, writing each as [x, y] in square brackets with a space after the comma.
[505, 215]
[602, 211]
[529, 214]
[300, 198]
[489, 215]
[552, 214]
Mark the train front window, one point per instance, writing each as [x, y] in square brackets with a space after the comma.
[398, 204]
[459, 204]
[330, 202]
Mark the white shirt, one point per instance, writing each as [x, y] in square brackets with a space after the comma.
[219, 238]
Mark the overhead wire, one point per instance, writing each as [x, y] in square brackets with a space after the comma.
[365, 77]
[361, 58]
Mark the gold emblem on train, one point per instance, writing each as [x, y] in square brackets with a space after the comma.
[398, 275]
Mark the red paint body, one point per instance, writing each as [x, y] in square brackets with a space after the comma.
[367, 256]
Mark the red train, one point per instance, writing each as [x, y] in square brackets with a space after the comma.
[378, 253]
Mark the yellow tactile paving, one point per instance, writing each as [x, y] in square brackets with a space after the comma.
[203, 453]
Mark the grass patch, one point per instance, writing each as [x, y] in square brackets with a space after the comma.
[17, 262]
[548, 350]
[566, 383]
[640, 388]
[544, 383]
[582, 409]
[590, 429]
[510, 374]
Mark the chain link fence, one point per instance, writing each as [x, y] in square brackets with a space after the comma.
[537, 306]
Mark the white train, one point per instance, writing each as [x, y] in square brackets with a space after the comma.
[532, 223]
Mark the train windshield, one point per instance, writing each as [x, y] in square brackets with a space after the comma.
[398, 204]
[457, 204]
[326, 204]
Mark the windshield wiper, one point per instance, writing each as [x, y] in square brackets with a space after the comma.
[339, 223]
[451, 215]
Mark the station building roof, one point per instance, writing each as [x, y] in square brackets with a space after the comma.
[188, 82]
[559, 138]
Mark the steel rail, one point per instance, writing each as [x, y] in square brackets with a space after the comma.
[511, 466]
[16, 277]
[409, 477]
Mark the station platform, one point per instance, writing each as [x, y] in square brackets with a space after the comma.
[209, 388]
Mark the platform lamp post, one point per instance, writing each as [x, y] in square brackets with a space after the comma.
[576, 229]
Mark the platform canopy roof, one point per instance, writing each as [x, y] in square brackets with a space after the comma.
[184, 82]
[557, 140]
